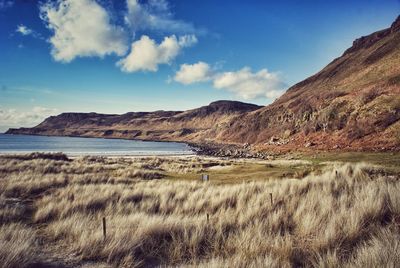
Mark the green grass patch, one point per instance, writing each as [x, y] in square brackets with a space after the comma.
[246, 172]
[389, 160]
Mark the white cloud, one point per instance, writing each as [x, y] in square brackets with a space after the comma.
[154, 15]
[15, 118]
[193, 73]
[187, 40]
[43, 110]
[248, 85]
[22, 29]
[146, 54]
[5, 4]
[81, 28]
[26, 31]
[244, 83]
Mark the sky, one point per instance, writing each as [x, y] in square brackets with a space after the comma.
[119, 56]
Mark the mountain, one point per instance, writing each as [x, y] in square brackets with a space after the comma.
[354, 102]
[192, 125]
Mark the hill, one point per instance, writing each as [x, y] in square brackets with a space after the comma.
[353, 103]
[191, 125]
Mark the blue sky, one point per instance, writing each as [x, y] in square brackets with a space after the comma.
[130, 55]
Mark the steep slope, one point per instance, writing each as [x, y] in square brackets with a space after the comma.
[192, 125]
[354, 102]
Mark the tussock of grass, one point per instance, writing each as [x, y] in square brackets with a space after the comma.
[13, 210]
[347, 216]
[17, 246]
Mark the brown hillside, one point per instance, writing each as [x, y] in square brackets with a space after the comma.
[354, 102]
[192, 125]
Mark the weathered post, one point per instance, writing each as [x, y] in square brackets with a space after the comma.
[208, 217]
[104, 228]
[272, 202]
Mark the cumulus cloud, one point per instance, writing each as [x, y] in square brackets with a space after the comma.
[243, 83]
[81, 28]
[154, 15]
[146, 54]
[249, 85]
[15, 118]
[193, 73]
[22, 29]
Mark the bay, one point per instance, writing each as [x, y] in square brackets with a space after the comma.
[88, 146]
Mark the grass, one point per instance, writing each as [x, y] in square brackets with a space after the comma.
[250, 170]
[389, 161]
[159, 213]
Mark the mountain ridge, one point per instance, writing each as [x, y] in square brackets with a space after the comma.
[190, 125]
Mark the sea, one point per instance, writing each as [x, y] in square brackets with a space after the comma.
[13, 144]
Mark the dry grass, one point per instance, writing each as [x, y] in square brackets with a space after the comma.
[17, 246]
[347, 215]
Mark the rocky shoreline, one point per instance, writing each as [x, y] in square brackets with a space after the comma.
[228, 150]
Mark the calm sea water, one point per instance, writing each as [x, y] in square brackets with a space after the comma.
[88, 146]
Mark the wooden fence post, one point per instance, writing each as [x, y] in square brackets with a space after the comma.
[208, 217]
[104, 228]
[270, 195]
[204, 177]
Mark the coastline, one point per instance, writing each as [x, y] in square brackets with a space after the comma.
[187, 151]
[199, 148]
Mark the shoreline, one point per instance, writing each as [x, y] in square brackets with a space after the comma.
[191, 151]
[95, 154]
[201, 148]
[210, 149]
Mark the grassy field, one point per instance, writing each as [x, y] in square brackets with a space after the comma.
[158, 212]
[387, 160]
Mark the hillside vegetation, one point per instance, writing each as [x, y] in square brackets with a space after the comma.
[353, 103]
[191, 125]
[51, 210]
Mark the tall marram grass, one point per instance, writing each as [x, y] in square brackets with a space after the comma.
[348, 216]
